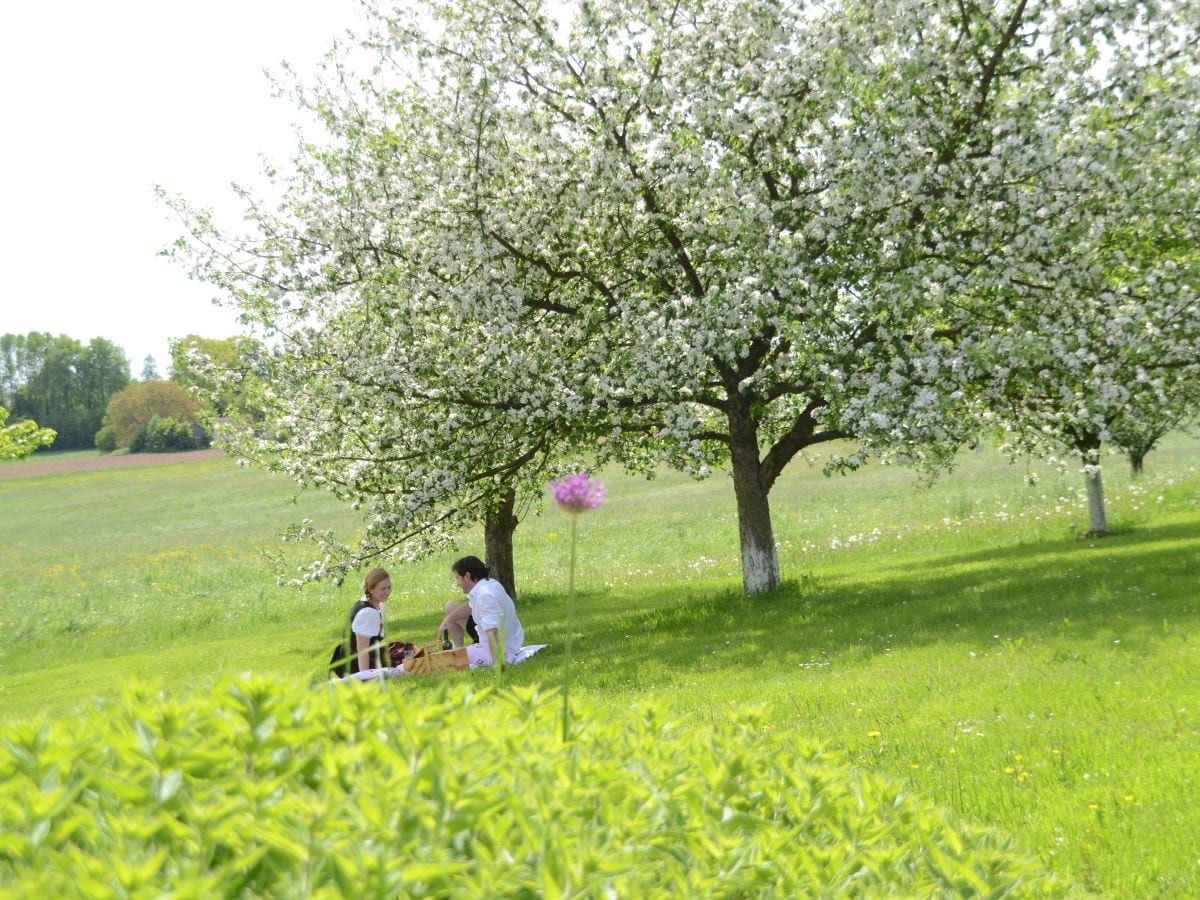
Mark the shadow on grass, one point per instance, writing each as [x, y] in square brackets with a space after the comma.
[1137, 587]
[1069, 592]
[1081, 585]
[1133, 586]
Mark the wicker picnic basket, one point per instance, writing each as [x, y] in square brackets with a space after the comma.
[431, 659]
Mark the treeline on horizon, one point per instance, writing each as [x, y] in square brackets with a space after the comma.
[66, 385]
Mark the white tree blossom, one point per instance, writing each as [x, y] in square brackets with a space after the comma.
[1103, 346]
[400, 372]
[711, 232]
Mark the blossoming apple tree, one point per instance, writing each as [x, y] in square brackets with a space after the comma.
[787, 222]
[1109, 353]
[714, 232]
[379, 377]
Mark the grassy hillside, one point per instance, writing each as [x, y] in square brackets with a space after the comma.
[954, 637]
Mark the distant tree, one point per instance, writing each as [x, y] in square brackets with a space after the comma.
[1111, 359]
[64, 384]
[149, 369]
[1140, 430]
[133, 408]
[196, 360]
[50, 393]
[106, 439]
[12, 353]
[226, 352]
[20, 359]
[103, 370]
[19, 440]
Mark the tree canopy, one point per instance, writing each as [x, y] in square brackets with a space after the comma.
[19, 440]
[1111, 354]
[61, 383]
[133, 408]
[712, 233]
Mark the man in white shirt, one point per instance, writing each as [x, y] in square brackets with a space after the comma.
[494, 612]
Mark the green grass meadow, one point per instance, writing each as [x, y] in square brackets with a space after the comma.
[954, 637]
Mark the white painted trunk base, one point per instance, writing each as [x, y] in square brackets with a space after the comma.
[1097, 518]
[760, 568]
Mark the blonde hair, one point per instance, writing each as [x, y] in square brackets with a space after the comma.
[373, 578]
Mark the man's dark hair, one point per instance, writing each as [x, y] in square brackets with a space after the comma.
[471, 565]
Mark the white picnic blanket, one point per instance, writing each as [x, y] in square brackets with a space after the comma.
[527, 651]
[396, 671]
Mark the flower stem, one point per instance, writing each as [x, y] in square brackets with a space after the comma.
[566, 714]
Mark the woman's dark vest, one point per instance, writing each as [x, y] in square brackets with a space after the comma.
[375, 660]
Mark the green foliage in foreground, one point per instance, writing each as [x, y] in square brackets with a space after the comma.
[348, 790]
[955, 639]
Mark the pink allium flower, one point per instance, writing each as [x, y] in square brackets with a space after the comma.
[577, 493]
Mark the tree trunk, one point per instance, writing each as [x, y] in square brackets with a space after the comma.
[1089, 453]
[1137, 462]
[760, 558]
[498, 528]
[1097, 519]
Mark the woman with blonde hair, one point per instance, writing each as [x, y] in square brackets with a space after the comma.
[367, 649]
[364, 649]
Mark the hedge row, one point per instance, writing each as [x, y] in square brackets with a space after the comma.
[261, 789]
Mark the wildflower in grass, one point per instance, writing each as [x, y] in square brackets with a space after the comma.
[575, 494]
[873, 734]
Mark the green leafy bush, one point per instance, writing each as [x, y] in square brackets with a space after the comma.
[353, 790]
[106, 439]
[163, 436]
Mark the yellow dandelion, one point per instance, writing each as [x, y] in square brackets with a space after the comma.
[915, 766]
[873, 733]
[1008, 770]
[1129, 797]
[1093, 806]
[1056, 751]
[953, 751]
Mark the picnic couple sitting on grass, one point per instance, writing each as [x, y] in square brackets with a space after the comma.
[488, 616]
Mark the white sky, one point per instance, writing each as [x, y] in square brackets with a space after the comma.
[100, 102]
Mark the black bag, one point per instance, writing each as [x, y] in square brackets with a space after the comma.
[341, 663]
[338, 666]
